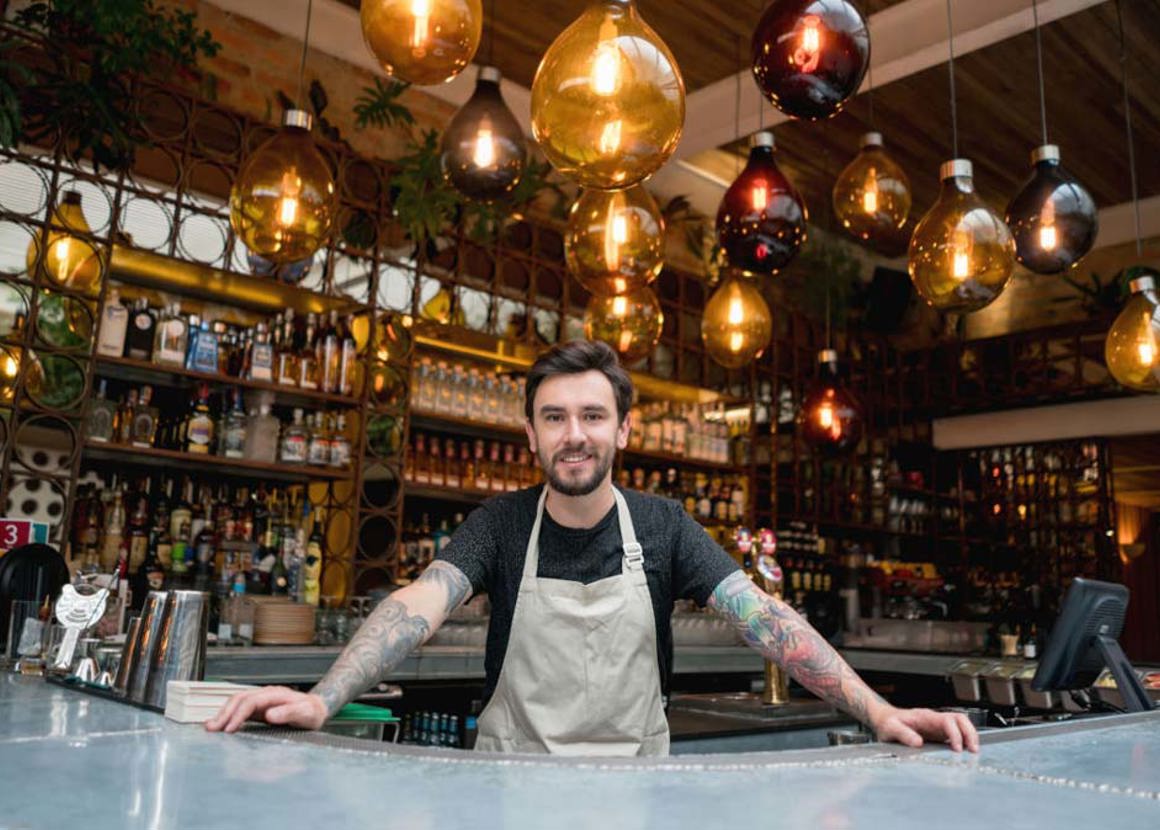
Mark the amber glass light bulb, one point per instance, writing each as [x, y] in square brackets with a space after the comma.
[608, 101]
[630, 323]
[1053, 218]
[615, 240]
[1132, 350]
[830, 418]
[872, 195]
[422, 42]
[761, 223]
[809, 56]
[736, 325]
[70, 259]
[484, 152]
[282, 202]
[962, 254]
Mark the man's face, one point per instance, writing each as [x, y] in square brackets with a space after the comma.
[574, 431]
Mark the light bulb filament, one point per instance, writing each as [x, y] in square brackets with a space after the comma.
[1048, 238]
[61, 251]
[288, 203]
[485, 154]
[760, 197]
[610, 137]
[619, 306]
[870, 195]
[605, 77]
[1146, 352]
[421, 11]
[736, 311]
[826, 416]
[736, 341]
[809, 52]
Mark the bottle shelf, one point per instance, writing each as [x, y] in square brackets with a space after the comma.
[236, 467]
[459, 494]
[143, 371]
[421, 419]
[648, 456]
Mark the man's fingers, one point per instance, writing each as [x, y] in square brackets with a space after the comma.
[970, 734]
[902, 733]
[953, 733]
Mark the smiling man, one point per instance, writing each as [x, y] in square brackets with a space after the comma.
[582, 578]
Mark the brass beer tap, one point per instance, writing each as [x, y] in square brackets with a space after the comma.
[768, 576]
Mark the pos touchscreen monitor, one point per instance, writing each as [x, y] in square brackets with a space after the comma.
[1084, 640]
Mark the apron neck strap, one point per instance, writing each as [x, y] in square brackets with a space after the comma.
[633, 552]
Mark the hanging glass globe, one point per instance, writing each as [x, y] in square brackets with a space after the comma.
[70, 260]
[630, 323]
[1132, 350]
[282, 202]
[736, 325]
[422, 42]
[608, 101]
[761, 223]
[962, 254]
[872, 195]
[830, 419]
[615, 239]
[484, 152]
[809, 56]
[1053, 218]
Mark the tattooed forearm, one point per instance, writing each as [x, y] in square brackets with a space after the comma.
[777, 631]
[390, 634]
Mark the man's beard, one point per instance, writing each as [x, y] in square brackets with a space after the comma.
[603, 463]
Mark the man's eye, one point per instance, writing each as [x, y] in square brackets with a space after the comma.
[594, 416]
[553, 418]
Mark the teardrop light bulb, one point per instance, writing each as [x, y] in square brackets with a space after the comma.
[736, 324]
[962, 254]
[615, 240]
[1053, 218]
[872, 195]
[282, 202]
[1132, 350]
[70, 259]
[608, 101]
[830, 418]
[630, 323]
[484, 152]
[423, 42]
[761, 223]
[809, 56]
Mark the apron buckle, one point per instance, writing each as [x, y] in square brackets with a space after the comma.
[633, 553]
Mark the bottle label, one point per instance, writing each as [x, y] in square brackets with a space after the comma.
[172, 346]
[262, 362]
[340, 454]
[199, 435]
[294, 448]
[204, 357]
[235, 442]
[319, 452]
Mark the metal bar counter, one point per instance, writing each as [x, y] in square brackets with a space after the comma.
[67, 759]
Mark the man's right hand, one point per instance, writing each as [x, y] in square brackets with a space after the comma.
[275, 705]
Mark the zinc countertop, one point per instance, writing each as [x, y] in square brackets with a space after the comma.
[68, 759]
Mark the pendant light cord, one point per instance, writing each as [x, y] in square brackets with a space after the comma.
[829, 345]
[1128, 126]
[951, 72]
[870, 70]
[1039, 65]
[305, 49]
[737, 108]
[491, 33]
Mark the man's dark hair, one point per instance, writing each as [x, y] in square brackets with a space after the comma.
[573, 358]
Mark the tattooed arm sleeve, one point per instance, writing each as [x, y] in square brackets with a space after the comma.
[401, 623]
[777, 631]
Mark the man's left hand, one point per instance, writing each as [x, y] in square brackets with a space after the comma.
[912, 726]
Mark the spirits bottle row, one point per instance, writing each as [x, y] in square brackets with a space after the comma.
[162, 533]
[721, 498]
[469, 393]
[421, 542]
[468, 464]
[315, 352]
[210, 425]
[431, 729]
[697, 431]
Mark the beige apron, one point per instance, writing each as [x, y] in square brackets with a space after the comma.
[580, 674]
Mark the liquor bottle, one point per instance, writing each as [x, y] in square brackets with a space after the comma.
[442, 536]
[318, 448]
[261, 442]
[143, 426]
[512, 477]
[312, 564]
[496, 476]
[125, 418]
[171, 342]
[138, 532]
[200, 430]
[466, 467]
[348, 359]
[451, 474]
[160, 541]
[261, 363]
[204, 547]
[482, 468]
[294, 441]
[340, 450]
[420, 466]
[203, 350]
[426, 543]
[114, 525]
[234, 429]
[435, 462]
[308, 368]
[114, 325]
[139, 337]
[287, 355]
[329, 352]
[102, 417]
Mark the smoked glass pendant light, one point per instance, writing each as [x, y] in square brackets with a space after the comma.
[422, 42]
[809, 56]
[70, 260]
[1053, 218]
[872, 195]
[282, 202]
[484, 152]
[761, 223]
[615, 240]
[608, 101]
[1132, 350]
[830, 419]
[631, 323]
[736, 324]
[961, 254]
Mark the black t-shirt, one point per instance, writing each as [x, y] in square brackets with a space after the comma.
[680, 561]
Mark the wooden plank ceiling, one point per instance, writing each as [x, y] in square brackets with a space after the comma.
[1136, 470]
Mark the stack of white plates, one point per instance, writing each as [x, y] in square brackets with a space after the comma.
[196, 701]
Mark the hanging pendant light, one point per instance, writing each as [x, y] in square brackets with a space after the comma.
[484, 152]
[872, 195]
[809, 56]
[736, 324]
[608, 101]
[630, 323]
[615, 240]
[761, 223]
[830, 419]
[422, 42]
[1132, 350]
[70, 260]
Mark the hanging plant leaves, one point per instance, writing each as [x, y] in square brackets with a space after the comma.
[424, 203]
[378, 105]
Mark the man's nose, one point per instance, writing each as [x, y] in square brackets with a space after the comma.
[575, 430]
